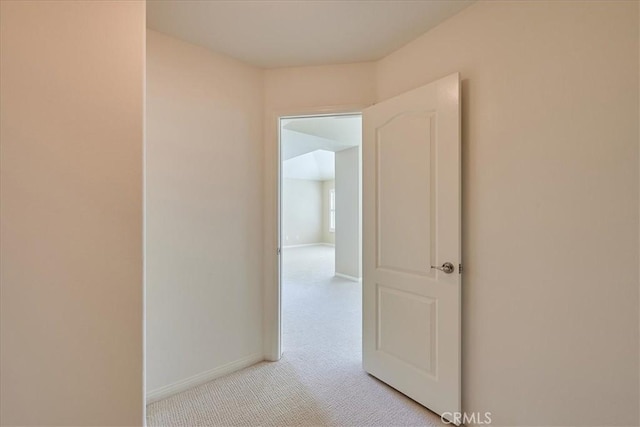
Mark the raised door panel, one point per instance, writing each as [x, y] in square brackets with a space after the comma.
[404, 193]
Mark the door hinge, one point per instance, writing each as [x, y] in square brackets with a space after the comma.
[279, 251]
[459, 268]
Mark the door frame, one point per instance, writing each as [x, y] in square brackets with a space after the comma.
[272, 301]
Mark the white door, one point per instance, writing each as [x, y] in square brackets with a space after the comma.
[411, 222]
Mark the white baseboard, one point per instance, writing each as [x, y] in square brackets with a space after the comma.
[345, 276]
[333, 245]
[307, 244]
[203, 377]
[299, 246]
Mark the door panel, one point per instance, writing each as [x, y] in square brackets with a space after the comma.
[411, 221]
[403, 147]
[397, 309]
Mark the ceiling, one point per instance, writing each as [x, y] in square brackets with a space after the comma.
[318, 165]
[331, 133]
[308, 144]
[285, 33]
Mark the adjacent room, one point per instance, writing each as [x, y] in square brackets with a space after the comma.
[320, 238]
[320, 169]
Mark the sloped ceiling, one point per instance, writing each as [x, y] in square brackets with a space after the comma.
[331, 133]
[318, 165]
[308, 144]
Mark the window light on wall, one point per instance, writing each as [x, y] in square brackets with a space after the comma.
[332, 210]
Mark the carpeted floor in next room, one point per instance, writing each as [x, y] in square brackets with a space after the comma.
[318, 382]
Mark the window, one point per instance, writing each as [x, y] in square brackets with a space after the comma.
[332, 210]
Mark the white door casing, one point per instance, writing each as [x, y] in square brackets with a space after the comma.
[411, 221]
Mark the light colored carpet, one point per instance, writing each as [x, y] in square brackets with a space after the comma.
[318, 382]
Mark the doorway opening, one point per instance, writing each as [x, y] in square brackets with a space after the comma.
[320, 238]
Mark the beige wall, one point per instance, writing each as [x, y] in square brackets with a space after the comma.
[71, 134]
[348, 213]
[204, 214]
[550, 202]
[303, 88]
[301, 212]
[328, 236]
